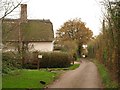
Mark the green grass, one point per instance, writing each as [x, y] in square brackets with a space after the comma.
[27, 79]
[0, 81]
[106, 79]
[72, 67]
[31, 78]
[78, 59]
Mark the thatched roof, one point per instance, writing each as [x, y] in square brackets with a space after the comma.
[33, 30]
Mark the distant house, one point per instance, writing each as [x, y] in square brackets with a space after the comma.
[34, 34]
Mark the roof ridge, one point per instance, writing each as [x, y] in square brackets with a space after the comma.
[42, 20]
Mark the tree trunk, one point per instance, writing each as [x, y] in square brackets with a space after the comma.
[79, 50]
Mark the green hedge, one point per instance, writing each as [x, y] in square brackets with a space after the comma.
[49, 60]
[10, 61]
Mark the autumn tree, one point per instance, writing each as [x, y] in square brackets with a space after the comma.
[74, 30]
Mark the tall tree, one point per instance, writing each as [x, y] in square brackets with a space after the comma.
[74, 30]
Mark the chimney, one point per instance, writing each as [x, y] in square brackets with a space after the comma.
[23, 15]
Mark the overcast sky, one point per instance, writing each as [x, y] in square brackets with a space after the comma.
[59, 11]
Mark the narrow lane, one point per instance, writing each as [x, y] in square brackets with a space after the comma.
[86, 76]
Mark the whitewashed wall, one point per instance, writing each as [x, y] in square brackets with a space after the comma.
[41, 46]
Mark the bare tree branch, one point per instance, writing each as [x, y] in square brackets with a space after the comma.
[8, 8]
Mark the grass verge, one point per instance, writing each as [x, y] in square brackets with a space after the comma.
[31, 78]
[74, 66]
[71, 67]
[106, 79]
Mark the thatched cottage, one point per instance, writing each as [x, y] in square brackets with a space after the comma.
[34, 34]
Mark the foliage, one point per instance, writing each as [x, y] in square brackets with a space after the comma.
[70, 47]
[55, 59]
[27, 79]
[49, 60]
[10, 61]
[106, 79]
[74, 30]
[91, 48]
[106, 46]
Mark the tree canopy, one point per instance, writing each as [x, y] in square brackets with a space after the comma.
[74, 30]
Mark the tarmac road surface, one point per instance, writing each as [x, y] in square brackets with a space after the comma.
[86, 76]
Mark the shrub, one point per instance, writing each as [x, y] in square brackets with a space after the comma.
[10, 61]
[50, 60]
